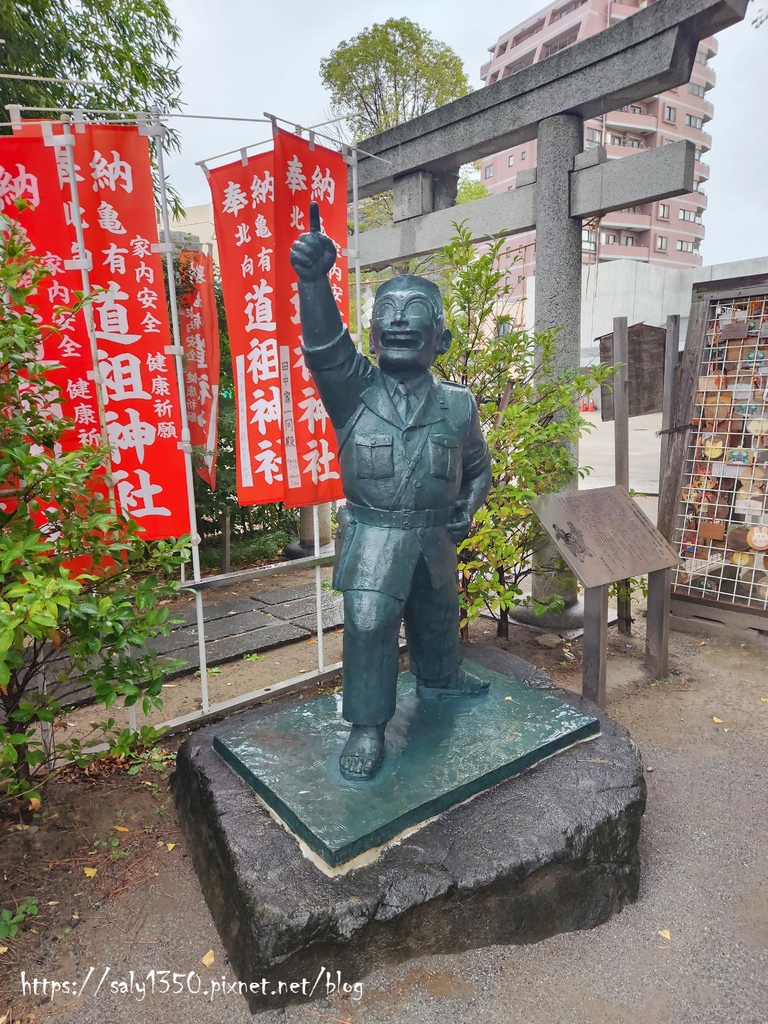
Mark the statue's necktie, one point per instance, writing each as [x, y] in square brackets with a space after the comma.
[402, 401]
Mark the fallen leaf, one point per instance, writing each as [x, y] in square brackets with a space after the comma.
[90, 872]
[702, 643]
[121, 828]
[3, 949]
[764, 700]
[208, 959]
[665, 934]
[716, 720]
[53, 903]
[303, 791]
[170, 846]
[726, 730]
[34, 804]
[507, 698]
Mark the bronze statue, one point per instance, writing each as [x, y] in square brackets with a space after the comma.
[415, 468]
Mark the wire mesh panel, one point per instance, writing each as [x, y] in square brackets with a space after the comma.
[721, 522]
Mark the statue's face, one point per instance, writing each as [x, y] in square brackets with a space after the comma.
[406, 330]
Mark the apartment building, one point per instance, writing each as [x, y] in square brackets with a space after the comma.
[666, 233]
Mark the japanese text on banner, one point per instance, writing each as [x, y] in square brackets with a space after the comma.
[199, 326]
[306, 172]
[143, 414]
[28, 171]
[244, 216]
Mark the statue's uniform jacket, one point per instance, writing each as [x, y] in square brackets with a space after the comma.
[376, 449]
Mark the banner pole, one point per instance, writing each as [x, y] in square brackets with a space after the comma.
[318, 590]
[157, 130]
[356, 237]
[67, 140]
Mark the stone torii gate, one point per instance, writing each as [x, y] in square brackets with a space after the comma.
[647, 53]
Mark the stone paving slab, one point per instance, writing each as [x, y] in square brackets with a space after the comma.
[305, 606]
[216, 629]
[230, 648]
[284, 594]
[219, 610]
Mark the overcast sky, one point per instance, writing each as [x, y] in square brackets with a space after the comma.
[240, 58]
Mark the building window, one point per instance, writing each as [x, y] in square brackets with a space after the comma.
[634, 143]
[560, 44]
[694, 122]
[663, 211]
[627, 240]
[592, 138]
[692, 215]
[502, 49]
[670, 113]
[519, 278]
[527, 33]
[661, 243]
[685, 246]
[615, 140]
[511, 160]
[522, 156]
[489, 171]
[701, 58]
[588, 243]
[608, 238]
[697, 90]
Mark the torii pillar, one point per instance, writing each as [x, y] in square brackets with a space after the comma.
[648, 53]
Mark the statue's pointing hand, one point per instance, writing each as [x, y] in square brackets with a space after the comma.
[313, 254]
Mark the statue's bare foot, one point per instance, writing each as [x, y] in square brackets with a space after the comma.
[466, 685]
[363, 753]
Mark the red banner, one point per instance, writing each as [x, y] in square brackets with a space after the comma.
[304, 172]
[114, 181]
[132, 331]
[244, 216]
[199, 325]
[28, 172]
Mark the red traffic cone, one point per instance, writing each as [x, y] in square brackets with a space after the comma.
[582, 404]
[591, 406]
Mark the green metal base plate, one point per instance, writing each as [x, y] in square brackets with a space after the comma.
[438, 753]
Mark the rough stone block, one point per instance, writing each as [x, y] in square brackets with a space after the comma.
[554, 849]
[412, 196]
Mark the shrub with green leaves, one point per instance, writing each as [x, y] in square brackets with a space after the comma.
[80, 591]
[530, 417]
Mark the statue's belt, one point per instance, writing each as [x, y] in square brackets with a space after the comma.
[400, 519]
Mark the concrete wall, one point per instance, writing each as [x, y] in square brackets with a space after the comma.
[641, 292]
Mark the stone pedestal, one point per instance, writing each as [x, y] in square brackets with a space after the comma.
[550, 850]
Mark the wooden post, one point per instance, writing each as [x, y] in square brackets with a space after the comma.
[621, 445]
[226, 546]
[657, 630]
[671, 348]
[595, 644]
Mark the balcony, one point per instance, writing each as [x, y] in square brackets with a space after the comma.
[706, 74]
[623, 252]
[630, 221]
[625, 120]
[707, 109]
[614, 152]
[621, 11]
[701, 170]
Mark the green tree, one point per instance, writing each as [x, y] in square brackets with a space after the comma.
[527, 410]
[80, 591]
[389, 74]
[125, 48]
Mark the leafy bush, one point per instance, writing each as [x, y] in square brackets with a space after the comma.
[80, 591]
[530, 418]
